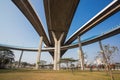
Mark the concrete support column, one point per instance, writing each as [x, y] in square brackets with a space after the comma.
[39, 53]
[81, 54]
[55, 55]
[57, 51]
[20, 58]
[58, 55]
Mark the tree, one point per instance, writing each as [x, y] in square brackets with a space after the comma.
[6, 57]
[24, 64]
[107, 54]
[42, 64]
[67, 61]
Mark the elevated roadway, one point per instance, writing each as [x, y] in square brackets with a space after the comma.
[108, 11]
[97, 38]
[32, 17]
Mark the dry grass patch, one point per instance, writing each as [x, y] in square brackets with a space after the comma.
[52, 75]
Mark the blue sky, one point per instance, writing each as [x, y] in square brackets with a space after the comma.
[16, 30]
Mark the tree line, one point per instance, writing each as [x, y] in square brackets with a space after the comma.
[6, 57]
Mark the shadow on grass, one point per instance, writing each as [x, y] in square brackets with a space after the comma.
[13, 70]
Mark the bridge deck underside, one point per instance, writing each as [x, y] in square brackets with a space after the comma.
[59, 15]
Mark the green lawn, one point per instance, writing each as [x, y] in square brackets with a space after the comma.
[54, 75]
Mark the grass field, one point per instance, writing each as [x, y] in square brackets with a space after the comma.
[54, 75]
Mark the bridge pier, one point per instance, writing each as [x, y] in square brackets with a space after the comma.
[81, 54]
[39, 53]
[57, 51]
[20, 58]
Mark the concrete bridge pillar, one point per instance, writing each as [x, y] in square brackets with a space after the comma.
[57, 51]
[20, 58]
[81, 54]
[39, 53]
